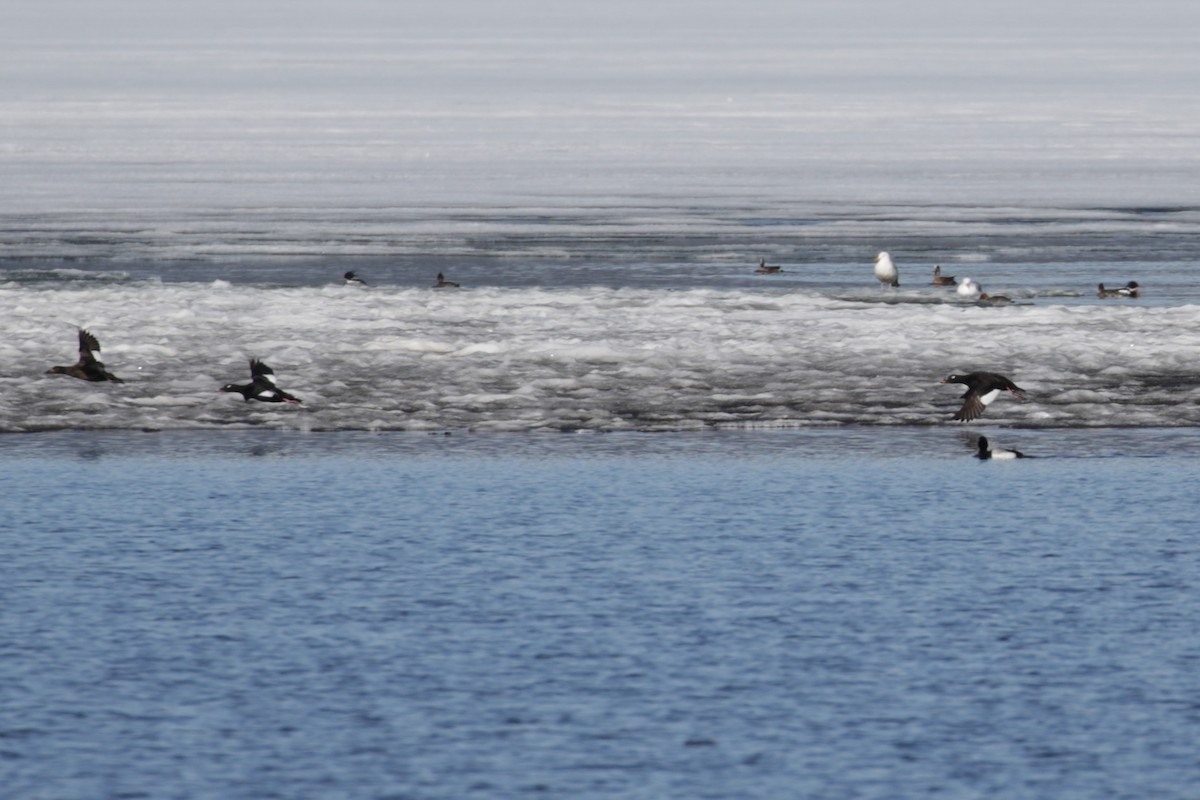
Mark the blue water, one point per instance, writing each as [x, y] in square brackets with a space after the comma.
[850, 613]
[771, 568]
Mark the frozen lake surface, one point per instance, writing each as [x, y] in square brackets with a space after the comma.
[620, 344]
[620, 517]
[602, 182]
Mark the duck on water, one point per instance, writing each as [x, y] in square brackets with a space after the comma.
[1130, 289]
[986, 451]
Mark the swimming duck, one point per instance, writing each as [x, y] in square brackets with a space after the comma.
[1130, 289]
[350, 278]
[982, 389]
[767, 269]
[442, 283]
[885, 270]
[261, 386]
[997, 453]
[994, 299]
[88, 367]
[942, 280]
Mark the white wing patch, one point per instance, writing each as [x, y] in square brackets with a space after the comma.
[987, 399]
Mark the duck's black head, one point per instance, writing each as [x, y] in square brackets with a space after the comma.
[244, 391]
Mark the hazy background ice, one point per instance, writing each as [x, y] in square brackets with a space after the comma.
[676, 139]
[225, 127]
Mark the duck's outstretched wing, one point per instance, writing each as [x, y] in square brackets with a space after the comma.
[972, 408]
[91, 367]
[261, 373]
[88, 344]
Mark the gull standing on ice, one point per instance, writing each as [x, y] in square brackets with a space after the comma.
[969, 288]
[885, 270]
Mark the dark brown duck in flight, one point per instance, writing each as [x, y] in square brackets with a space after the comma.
[88, 367]
[261, 386]
[982, 389]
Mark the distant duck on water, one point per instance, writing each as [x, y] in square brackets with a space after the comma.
[997, 453]
[351, 278]
[942, 280]
[767, 269]
[994, 299]
[1130, 289]
[885, 270]
[442, 283]
[88, 367]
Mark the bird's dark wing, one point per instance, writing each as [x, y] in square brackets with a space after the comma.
[87, 343]
[972, 408]
[261, 373]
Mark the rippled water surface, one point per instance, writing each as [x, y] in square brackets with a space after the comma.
[847, 613]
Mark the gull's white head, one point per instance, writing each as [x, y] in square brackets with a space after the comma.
[968, 288]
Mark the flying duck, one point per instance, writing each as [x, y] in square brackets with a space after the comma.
[1130, 289]
[442, 283]
[997, 453]
[942, 280]
[261, 386]
[885, 270]
[88, 367]
[982, 389]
